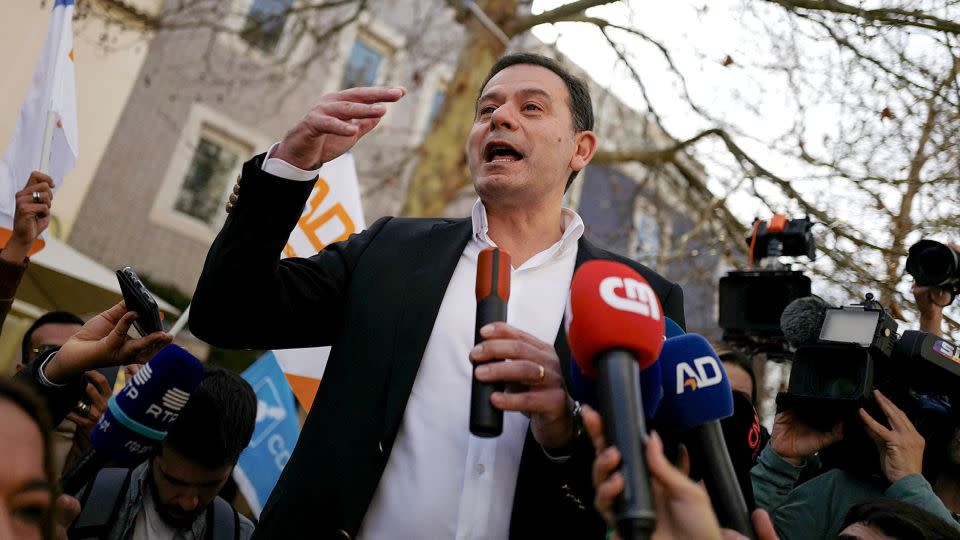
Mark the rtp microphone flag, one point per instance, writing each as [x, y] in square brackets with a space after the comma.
[333, 212]
[52, 96]
[274, 435]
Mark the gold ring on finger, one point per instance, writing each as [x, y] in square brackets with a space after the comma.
[543, 373]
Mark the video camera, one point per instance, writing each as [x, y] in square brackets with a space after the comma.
[933, 264]
[751, 301]
[859, 350]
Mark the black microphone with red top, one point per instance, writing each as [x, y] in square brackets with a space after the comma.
[493, 291]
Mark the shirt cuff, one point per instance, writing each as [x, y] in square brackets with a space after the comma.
[281, 168]
[43, 378]
[908, 485]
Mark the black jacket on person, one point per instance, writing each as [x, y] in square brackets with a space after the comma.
[374, 298]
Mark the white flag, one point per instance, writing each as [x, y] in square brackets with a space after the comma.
[333, 212]
[53, 90]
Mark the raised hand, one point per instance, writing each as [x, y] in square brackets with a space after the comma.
[102, 342]
[334, 125]
[795, 441]
[901, 446]
[31, 216]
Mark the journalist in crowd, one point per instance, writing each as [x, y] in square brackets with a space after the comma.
[922, 472]
[174, 493]
[385, 451]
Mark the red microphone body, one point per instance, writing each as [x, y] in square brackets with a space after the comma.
[493, 291]
[616, 328]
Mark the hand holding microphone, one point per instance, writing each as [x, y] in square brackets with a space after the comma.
[531, 382]
[616, 328]
[139, 416]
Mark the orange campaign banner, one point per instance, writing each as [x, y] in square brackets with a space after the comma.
[332, 213]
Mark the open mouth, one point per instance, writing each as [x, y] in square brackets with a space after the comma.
[501, 152]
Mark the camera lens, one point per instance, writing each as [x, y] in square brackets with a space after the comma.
[932, 263]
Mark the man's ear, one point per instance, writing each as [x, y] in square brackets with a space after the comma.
[586, 146]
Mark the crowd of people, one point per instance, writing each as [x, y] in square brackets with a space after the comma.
[385, 451]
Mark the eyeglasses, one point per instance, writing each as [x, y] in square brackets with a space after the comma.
[42, 348]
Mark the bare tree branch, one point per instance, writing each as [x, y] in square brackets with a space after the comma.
[557, 14]
[887, 16]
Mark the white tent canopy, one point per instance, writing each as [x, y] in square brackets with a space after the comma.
[61, 278]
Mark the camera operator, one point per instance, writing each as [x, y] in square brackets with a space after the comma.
[815, 509]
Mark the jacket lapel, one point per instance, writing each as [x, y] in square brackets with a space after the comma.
[436, 260]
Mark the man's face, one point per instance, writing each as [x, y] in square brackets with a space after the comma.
[182, 490]
[50, 335]
[523, 146]
[24, 489]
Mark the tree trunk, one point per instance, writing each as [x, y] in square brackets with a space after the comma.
[441, 169]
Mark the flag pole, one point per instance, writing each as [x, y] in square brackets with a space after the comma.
[47, 142]
[181, 322]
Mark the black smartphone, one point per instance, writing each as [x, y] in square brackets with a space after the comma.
[139, 299]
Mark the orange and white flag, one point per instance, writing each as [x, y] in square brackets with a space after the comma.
[48, 119]
[333, 212]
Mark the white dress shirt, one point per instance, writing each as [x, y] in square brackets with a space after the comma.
[440, 481]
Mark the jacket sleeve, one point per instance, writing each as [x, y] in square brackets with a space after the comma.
[915, 490]
[10, 276]
[247, 297]
[773, 479]
[60, 400]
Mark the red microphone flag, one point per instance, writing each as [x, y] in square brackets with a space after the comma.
[612, 307]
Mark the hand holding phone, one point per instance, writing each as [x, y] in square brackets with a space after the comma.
[138, 299]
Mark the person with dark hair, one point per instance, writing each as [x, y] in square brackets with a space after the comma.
[173, 495]
[29, 506]
[889, 519]
[386, 450]
[50, 330]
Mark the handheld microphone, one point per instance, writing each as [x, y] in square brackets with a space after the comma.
[139, 416]
[493, 291]
[584, 390]
[697, 396]
[616, 328]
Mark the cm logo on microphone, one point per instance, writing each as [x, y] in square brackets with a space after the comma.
[697, 376]
[637, 297]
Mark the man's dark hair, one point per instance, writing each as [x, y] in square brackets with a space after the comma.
[899, 520]
[217, 422]
[53, 317]
[581, 107]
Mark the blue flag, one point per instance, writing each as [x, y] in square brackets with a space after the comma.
[274, 436]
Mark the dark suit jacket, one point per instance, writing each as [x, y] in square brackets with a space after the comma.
[374, 298]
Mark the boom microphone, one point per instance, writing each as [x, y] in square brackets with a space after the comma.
[801, 320]
[697, 396]
[616, 329]
[139, 416]
[493, 291]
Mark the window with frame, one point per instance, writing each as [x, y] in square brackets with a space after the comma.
[363, 65]
[266, 20]
[646, 239]
[215, 161]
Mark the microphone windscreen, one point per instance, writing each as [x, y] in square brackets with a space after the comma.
[801, 320]
[695, 386]
[671, 329]
[493, 274]
[141, 413]
[612, 307]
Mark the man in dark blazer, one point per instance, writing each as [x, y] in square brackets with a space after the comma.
[385, 451]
